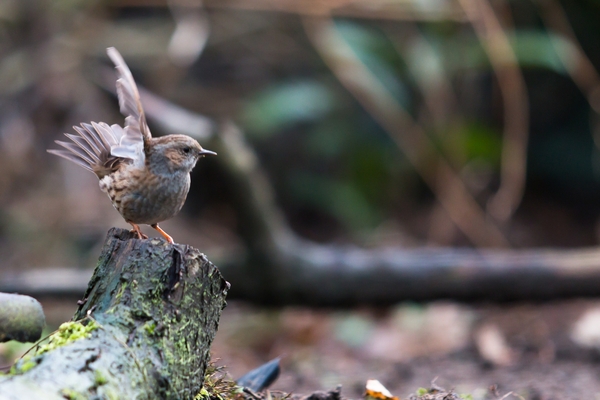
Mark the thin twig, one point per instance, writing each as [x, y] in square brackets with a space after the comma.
[511, 394]
[366, 9]
[439, 99]
[580, 68]
[409, 136]
[515, 106]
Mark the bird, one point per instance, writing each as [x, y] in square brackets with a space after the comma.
[146, 178]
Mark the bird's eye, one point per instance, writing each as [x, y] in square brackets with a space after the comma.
[186, 150]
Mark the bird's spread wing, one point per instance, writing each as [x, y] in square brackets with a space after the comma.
[91, 148]
[136, 135]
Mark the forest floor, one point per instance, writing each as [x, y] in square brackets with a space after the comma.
[536, 351]
[533, 351]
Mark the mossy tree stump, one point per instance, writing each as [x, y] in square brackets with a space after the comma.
[143, 330]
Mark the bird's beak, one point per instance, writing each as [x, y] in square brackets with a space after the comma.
[205, 152]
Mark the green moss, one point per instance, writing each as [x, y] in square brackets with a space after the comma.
[149, 327]
[99, 378]
[111, 395]
[27, 365]
[67, 333]
[422, 391]
[72, 394]
[23, 365]
[121, 291]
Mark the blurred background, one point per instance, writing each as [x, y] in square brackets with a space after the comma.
[341, 126]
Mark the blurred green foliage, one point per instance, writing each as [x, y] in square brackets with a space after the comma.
[333, 167]
[278, 107]
[337, 161]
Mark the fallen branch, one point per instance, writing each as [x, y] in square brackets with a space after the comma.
[21, 318]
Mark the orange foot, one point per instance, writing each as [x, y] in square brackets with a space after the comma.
[163, 233]
[136, 229]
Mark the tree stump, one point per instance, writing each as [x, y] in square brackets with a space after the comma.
[143, 330]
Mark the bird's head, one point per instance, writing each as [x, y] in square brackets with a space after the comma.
[177, 152]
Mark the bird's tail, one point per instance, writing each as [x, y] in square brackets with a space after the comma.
[91, 149]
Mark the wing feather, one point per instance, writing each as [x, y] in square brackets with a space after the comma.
[76, 150]
[136, 135]
[101, 148]
[88, 138]
[105, 133]
[93, 136]
[81, 142]
[71, 157]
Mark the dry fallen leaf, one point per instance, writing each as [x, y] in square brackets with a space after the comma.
[375, 390]
[492, 346]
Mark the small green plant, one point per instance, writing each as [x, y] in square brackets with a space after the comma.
[217, 386]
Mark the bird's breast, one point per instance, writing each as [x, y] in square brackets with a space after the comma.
[142, 197]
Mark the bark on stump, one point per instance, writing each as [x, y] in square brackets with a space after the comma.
[148, 319]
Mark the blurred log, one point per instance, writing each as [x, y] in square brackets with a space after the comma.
[143, 330]
[301, 272]
[312, 274]
[281, 268]
[308, 273]
[21, 318]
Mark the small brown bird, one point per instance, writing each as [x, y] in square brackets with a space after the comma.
[146, 178]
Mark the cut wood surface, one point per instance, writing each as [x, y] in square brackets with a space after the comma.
[143, 329]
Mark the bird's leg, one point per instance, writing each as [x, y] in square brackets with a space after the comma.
[136, 229]
[163, 233]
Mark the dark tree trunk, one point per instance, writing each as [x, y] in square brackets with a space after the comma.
[151, 311]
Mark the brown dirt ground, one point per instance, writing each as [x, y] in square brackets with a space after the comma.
[536, 351]
[411, 345]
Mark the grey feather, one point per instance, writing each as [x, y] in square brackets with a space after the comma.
[71, 157]
[81, 142]
[105, 134]
[118, 131]
[88, 138]
[94, 136]
[76, 150]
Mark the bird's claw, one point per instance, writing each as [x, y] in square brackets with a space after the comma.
[140, 235]
[163, 233]
[137, 231]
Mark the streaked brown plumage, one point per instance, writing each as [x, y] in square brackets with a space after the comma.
[147, 179]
